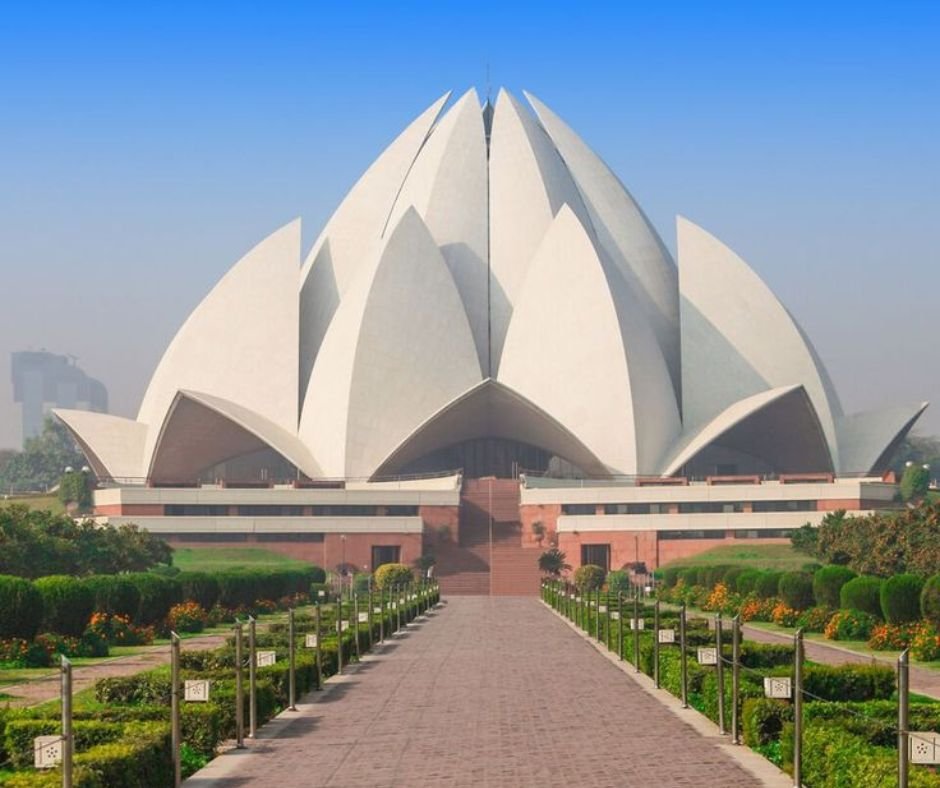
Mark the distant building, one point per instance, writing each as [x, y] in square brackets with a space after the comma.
[43, 381]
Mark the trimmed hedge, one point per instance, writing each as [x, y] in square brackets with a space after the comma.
[796, 590]
[828, 582]
[747, 581]
[848, 682]
[22, 608]
[157, 595]
[114, 595]
[900, 598]
[67, 604]
[767, 584]
[862, 593]
[200, 587]
[930, 601]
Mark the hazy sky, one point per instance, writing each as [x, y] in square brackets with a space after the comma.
[142, 152]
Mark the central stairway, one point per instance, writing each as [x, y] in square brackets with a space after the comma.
[473, 565]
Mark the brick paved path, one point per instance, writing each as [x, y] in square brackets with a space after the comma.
[489, 692]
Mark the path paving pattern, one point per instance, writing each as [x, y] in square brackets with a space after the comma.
[489, 692]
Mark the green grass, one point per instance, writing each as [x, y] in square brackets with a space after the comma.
[36, 502]
[760, 556]
[211, 559]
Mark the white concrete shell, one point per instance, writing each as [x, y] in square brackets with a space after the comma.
[625, 233]
[779, 426]
[114, 447]
[354, 233]
[447, 186]
[399, 348]
[568, 326]
[201, 431]
[737, 338]
[238, 340]
[868, 440]
[529, 183]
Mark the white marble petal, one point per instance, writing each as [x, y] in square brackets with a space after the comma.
[868, 440]
[113, 446]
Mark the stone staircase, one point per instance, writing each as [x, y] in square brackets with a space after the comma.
[470, 565]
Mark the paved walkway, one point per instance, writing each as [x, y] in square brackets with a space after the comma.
[487, 692]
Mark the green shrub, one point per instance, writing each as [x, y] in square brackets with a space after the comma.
[712, 575]
[767, 584]
[930, 601]
[689, 575]
[389, 575]
[157, 595]
[862, 593]
[747, 580]
[21, 604]
[828, 582]
[140, 689]
[67, 604]
[815, 619]
[848, 682]
[762, 720]
[315, 589]
[199, 587]
[19, 734]
[114, 595]
[618, 582]
[900, 598]
[796, 590]
[314, 574]
[669, 576]
[588, 577]
[362, 582]
[850, 625]
[730, 577]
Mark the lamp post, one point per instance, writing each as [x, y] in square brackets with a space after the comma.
[342, 574]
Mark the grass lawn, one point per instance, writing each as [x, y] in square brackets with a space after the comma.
[211, 559]
[35, 502]
[761, 556]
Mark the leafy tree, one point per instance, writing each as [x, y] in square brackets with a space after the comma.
[552, 563]
[806, 540]
[75, 488]
[42, 461]
[914, 482]
[919, 450]
[589, 577]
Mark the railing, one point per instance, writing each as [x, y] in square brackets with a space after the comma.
[326, 482]
[635, 480]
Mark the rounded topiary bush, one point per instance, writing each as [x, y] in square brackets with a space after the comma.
[862, 593]
[796, 590]
[930, 601]
[199, 587]
[766, 585]
[713, 575]
[21, 608]
[67, 604]
[900, 598]
[389, 575]
[747, 581]
[115, 595]
[316, 574]
[589, 577]
[618, 582]
[828, 582]
[362, 582]
[689, 575]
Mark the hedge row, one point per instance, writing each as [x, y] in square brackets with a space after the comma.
[899, 599]
[63, 605]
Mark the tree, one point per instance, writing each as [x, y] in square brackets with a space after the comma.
[42, 461]
[915, 482]
[552, 563]
[805, 539]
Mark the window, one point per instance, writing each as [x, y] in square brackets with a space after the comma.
[401, 511]
[290, 537]
[710, 507]
[208, 537]
[344, 510]
[784, 506]
[763, 533]
[578, 508]
[635, 508]
[385, 554]
[690, 533]
[195, 510]
[270, 511]
[596, 554]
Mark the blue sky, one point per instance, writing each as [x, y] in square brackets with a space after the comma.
[143, 150]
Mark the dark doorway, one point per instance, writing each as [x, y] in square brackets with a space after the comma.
[596, 554]
[385, 554]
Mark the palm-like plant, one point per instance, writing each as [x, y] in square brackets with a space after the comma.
[552, 563]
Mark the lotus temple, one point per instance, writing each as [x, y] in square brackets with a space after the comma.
[489, 350]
